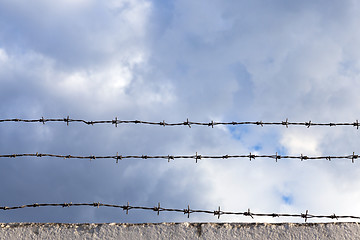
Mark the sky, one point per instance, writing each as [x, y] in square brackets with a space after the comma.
[172, 60]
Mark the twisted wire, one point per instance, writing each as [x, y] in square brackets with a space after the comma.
[187, 211]
[188, 123]
[196, 157]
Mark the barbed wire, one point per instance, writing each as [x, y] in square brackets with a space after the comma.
[187, 211]
[196, 157]
[188, 123]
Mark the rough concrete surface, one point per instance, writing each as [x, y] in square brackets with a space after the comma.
[180, 231]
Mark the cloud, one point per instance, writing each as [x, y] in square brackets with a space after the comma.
[149, 60]
[76, 34]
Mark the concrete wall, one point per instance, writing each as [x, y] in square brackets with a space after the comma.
[180, 231]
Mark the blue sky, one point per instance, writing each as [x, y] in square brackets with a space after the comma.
[202, 60]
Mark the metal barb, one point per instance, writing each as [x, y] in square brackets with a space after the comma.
[277, 157]
[248, 213]
[286, 123]
[187, 123]
[115, 122]
[260, 123]
[354, 157]
[170, 158]
[163, 123]
[187, 211]
[157, 209]
[305, 216]
[217, 213]
[251, 156]
[66, 120]
[127, 208]
[118, 157]
[197, 157]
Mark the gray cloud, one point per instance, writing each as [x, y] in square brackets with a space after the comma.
[169, 61]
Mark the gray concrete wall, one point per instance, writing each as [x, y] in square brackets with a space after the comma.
[180, 231]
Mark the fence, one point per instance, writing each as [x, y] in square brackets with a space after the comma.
[196, 157]
[188, 123]
[187, 211]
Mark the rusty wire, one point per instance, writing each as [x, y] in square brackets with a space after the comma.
[188, 123]
[187, 211]
[196, 157]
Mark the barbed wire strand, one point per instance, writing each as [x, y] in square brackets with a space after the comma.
[196, 157]
[188, 123]
[187, 211]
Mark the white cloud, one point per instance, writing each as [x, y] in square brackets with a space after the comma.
[200, 60]
[298, 141]
[3, 56]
